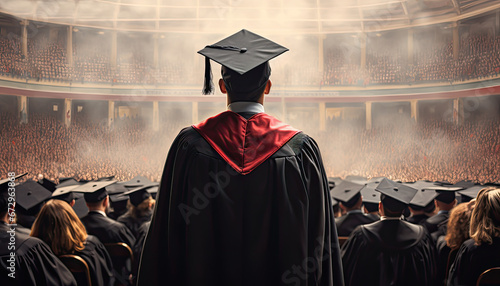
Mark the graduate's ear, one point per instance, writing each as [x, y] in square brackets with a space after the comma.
[222, 86]
[268, 87]
[381, 209]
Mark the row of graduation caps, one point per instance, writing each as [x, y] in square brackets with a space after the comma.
[417, 194]
[30, 194]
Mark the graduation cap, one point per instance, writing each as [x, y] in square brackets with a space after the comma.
[106, 178]
[422, 199]
[399, 195]
[471, 192]
[376, 180]
[48, 184]
[447, 194]
[244, 58]
[30, 196]
[371, 198]
[94, 191]
[370, 195]
[68, 182]
[138, 195]
[333, 181]
[347, 193]
[116, 189]
[137, 181]
[356, 179]
[65, 193]
[4, 194]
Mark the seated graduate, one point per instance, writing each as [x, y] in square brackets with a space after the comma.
[106, 229]
[59, 227]
[390, 251]
[457, 233]
[350, 200]
[30, 197]
[96, 221]
[422, 206]
[27, 261]
[139, 244]
[436, 225]
[482, 251]
[371, 198]
[140, 208]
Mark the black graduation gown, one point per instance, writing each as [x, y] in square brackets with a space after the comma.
[472, 260]
[417, 218]
[137, 249]
[443, 251]
[111, 231]
[134, 224]
[35, 263]
[107, 230]
[435, 224]
[389, 252]
[99, 262]
[347, 223]
[214, 226]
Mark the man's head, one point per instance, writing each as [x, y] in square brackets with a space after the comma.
[101, 205]
[250, 86]
[348, 194]
[445, 200]
[244, 57]
[394, 198]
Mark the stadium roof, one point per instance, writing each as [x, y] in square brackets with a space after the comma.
[269, 16]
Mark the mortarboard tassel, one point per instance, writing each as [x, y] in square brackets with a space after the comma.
[208, 85]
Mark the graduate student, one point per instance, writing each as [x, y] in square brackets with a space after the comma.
[58, 225]
[244, 198]
[481, 251]
[33, 262]
[349, 196]
[390, 251]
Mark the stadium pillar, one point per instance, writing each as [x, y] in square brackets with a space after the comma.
[24, 36]
[368, 107]
[156, 116]
[322, 116]
[414, 110]
[456, 41]
[114, 48]
[155, 51]
[111, 112]
[3, 31]
[69, 46]
[410, 46]
[321, 53]
[194, 113]
[458, 111]
[22, 108]
[362, 42]
[67, 112]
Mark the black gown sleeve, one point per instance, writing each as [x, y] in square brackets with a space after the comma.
[322, 229]
[99, 262]
[37, 265]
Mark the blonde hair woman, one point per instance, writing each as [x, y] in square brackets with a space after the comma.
[58, 225]
[482, 250]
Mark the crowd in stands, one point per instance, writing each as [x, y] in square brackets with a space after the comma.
[405, 151]
[478, 57]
